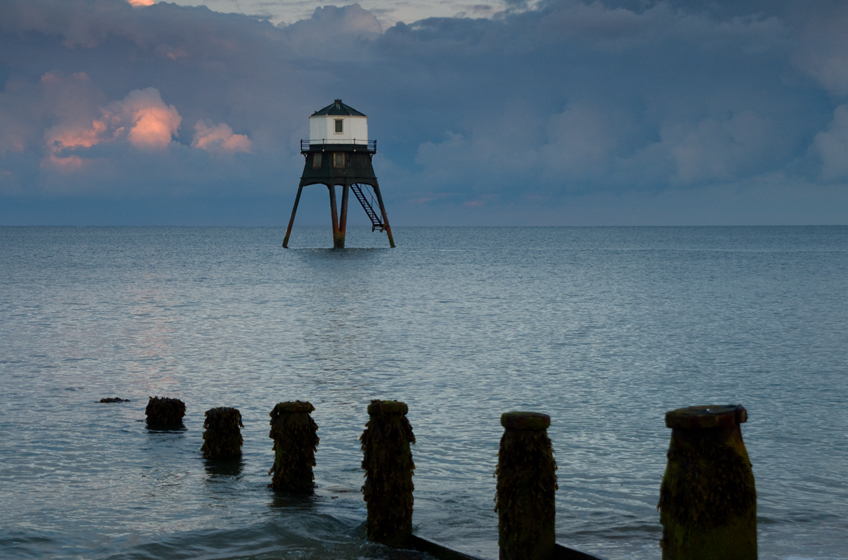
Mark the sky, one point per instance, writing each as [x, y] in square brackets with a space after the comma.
[553, 113]
[388, 13]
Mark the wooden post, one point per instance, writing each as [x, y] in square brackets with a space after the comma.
[527, 481]
[387, 461]
[163, 412]
[291, 221]
[222, 433]
[295, 443]
[708, 502]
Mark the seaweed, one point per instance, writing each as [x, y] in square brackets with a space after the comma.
[222, 433]
[708, 499]
[295, 442]
[113, 400]
[526, 484]
[164, 412]
[387, 462]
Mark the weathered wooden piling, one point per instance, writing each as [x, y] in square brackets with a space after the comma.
[526, 485]
[295, 441]
[222, 433]
[387, 461]
[708, 502]
[164, 412]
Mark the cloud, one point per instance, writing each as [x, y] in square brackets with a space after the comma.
[27, 108]
[618, 98]
[562, 99]
[142, 119]
[822, 50]
[219, 139]
[717, 148]
[66, 117]
[832, 146]
[332, 31]
[151, 123]
[140, 3]
[581, 140]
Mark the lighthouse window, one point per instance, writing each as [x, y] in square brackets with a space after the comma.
[339, 126]
[316, 161]
[338, 159]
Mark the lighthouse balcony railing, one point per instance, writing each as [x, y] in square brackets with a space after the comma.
[347, 144]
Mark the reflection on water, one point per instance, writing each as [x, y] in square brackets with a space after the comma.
[604, 329]
[164, 430]
[293, 501]
[223, 468]
[148, 333]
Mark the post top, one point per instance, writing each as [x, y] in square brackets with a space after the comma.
[378, 407]
[518, 420]
[706, 416]
[220, 411]
[293, 406]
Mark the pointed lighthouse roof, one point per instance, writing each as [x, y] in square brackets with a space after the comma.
[338, 108]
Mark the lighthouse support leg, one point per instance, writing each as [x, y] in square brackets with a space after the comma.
[335, 217]
[291, 221]
[339, 236]
[385, 217]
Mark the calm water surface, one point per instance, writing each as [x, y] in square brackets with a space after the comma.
[605, 329]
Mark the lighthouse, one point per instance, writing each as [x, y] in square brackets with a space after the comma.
[338, 153]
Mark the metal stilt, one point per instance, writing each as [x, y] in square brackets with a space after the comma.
[385, 217]
[339, 240]
[335, 216]
[291, 221]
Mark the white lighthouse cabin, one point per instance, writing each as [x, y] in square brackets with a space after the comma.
[338, 124]
[339, 153]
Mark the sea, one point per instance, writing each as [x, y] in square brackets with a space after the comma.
[605, 329]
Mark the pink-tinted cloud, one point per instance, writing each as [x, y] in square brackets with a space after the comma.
[220, 139]
[61, 137]
[139, 3]
[152, 123]
[141, 118]
[28, 108]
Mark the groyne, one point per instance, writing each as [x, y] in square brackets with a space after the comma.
[707, 498]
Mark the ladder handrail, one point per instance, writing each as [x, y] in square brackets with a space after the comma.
[369, 210]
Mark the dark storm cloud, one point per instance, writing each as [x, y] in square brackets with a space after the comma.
[527, 108]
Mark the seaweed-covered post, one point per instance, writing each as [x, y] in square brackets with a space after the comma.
[387, 461]
[527, 482]
[222, 433]
[163, 412]
[295, 441]
[708, 503]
